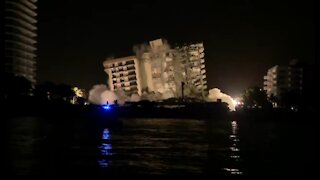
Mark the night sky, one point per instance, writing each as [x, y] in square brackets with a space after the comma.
[242, 38]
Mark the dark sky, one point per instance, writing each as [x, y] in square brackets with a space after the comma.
[242, 38]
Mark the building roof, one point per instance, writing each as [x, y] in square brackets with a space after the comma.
[108, 61]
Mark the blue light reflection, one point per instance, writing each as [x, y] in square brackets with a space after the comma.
[105, 149]
[106, 107]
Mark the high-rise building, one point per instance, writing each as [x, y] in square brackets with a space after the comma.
[20, 38]
[124, 74]
[195, 67]
[158, 68]
[166, 68]
[282, 79]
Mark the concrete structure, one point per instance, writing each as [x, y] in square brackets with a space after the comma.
[166, 68]
[195, 68]
[124, 74]
[281, 79]
[158, 71]
[161, 69]
[20, 38]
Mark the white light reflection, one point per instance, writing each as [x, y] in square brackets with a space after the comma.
[233, 170]
[235, 157]
[235, 151]
[234, 126]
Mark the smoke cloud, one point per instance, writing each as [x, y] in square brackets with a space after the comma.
[153, 96]
[122, 97]
[135, 98]
[139, 49]
[99, 94]
[215, 94]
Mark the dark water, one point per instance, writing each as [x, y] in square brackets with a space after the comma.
[163, 146]
[169, 146]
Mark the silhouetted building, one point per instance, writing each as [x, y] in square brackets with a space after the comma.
[20, 38]
[281, 79]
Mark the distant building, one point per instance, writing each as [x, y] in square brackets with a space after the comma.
[20, 38]
[160, 69]
[282, 79]
[123, 74]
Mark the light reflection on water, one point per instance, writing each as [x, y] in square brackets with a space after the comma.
[106, 134]
[105, 149]
[168, 146]
[155, 146]
[162, 146]
[235, 150]
[233, 171]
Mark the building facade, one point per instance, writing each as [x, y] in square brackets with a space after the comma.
[20, 38]
[158, 69]
[167, 68]
[282, 79]
[123, 74]
[161, 69]
[195, 68]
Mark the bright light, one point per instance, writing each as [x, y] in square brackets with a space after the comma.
[78, 92]
[235, 102]
[106, 107]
